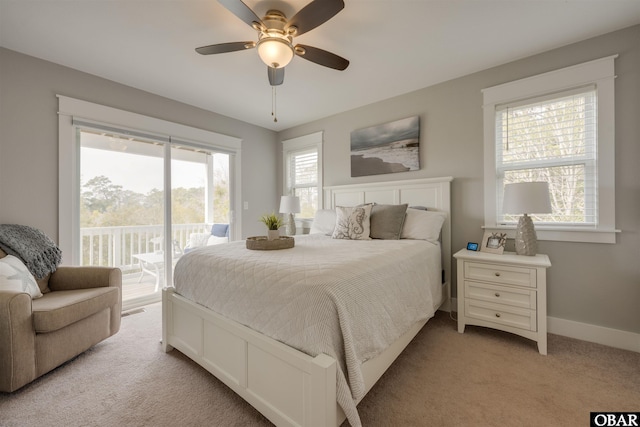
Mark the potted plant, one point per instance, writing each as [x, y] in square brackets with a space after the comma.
[273, 223]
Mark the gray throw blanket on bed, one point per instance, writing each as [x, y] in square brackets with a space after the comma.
[38, 252]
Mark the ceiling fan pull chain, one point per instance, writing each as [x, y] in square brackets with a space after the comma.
[273, 104]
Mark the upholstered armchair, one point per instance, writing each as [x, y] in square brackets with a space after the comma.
[79, 307]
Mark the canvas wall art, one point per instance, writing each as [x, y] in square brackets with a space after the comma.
[388, 148]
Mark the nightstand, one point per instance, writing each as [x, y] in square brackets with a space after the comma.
[506, 292]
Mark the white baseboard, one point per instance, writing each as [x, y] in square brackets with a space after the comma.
[586, 332]
[593, 333]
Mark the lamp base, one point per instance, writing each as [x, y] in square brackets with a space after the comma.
[526, 239]
[291, 226]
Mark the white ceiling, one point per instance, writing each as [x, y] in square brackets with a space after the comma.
[395, 47]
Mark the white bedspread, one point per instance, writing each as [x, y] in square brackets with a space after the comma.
[344, 298]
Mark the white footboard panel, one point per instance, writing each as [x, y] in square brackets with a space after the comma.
[288, 387]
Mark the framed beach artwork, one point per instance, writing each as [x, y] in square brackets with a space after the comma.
[388, 148]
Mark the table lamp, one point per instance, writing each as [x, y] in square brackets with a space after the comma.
[526, 198]
[290, 205]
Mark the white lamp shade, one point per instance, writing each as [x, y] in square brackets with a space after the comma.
[290, 204]
[275, 52]
[526, 198]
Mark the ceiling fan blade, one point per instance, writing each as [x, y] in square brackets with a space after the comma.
[315, 13]
[321, 57]
[225, 47]
[242, 11]
[276, 76]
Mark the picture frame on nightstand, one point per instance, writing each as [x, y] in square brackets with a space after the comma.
[493, 242]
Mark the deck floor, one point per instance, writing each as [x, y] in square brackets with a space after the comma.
[132, 289]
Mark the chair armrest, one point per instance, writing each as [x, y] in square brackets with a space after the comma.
[17, 341]
[67, 278]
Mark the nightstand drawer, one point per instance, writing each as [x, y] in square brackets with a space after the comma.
[503, 274]
[501, 314]
[516, 297]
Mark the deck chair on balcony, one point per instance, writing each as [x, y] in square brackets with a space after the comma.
[219, 234]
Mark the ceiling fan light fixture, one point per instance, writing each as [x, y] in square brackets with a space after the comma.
[276, 52]
[276, 34]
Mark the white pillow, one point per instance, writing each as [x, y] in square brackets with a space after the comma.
[198, 239]
[14, 276]
[423, 225]
[353, 223]
[324, 222]
[215, 240]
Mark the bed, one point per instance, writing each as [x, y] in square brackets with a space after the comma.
[288, 363]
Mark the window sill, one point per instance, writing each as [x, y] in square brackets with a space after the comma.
[563, 234]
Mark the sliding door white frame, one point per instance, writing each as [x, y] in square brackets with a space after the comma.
[70, 109]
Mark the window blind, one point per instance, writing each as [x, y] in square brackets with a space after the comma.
[554, 140]
[303, 179]
[304, 168]
[138, 135]
[149, 137]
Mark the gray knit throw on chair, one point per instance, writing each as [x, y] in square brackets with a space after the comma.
[38, 252]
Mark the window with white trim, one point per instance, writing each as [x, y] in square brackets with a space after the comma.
[303, 180]
[557, 127]
[552, 140]
[302, 159]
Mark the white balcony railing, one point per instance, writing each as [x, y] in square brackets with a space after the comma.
[115, 246]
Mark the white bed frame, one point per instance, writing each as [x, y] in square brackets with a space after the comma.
[287, 386]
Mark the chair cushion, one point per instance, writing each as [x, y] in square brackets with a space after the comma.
[58, 309]
[197, 240]
[220, 230]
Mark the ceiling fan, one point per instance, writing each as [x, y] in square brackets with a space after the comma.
[276, 33]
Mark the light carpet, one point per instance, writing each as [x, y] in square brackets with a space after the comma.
[480, 378]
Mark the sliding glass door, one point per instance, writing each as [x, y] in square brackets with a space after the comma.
[200, 198]
[125, 212]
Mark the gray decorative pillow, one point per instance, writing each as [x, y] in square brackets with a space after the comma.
[15, 276]
[353, 223]
[387, 221]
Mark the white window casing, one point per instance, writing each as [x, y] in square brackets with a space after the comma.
[302, 163]
[587, 146]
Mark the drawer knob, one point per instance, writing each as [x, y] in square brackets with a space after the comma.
[497, 274]
[497, 314]
[497, 295]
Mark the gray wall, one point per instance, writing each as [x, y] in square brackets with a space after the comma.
[596, 284]
[29, 138]
[592, 283]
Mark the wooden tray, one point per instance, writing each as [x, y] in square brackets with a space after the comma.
[261, 243]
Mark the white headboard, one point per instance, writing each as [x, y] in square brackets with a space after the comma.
[433, 193]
